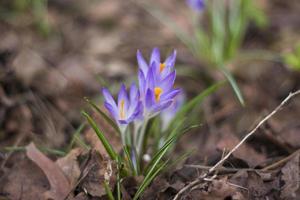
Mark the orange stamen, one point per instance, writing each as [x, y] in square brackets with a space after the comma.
[157, 92]
[162, 67]
[122, 113]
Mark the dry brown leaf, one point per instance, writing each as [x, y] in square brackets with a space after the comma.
[216, 190]
[255, 186]
[60, 186]
[228, 141]
[25, 180]
[290, 176]
[95, 171]
[70, 166]
[290, 135]
[160, 189]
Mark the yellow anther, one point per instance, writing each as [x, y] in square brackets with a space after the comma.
[122, 112]
[157, 92]
[161, 67]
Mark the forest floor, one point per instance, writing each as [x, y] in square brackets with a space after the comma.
[44, 80]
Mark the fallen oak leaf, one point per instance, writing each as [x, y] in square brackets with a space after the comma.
[60, 186]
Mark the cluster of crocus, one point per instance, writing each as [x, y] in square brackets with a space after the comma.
[156, 82]
[154, 94]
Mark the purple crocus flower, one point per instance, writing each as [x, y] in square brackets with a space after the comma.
[162, 69]
[196, 5]
[127, 108]
[169, 113]
[156, 93]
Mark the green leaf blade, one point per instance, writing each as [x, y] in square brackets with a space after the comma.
[194, 102]
[105, 116]
[111, 152]
[234, 85]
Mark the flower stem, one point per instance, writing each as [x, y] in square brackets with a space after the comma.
[123, 134]
[140, 138]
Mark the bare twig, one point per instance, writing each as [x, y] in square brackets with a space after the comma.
[280, 162]
[218, 164]
[221, 170]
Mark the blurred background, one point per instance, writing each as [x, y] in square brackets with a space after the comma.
[54, 53]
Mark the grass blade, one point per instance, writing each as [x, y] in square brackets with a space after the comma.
[154, 167]
[111, 152]
[77, 139]
[177, 129]
[108, 191]
[147, 181]
[45, 150]
[194, 102]
[158, 156]
[134, 169]
[118, 178]
[233, 84]
[177, 134]
[105, 116]
[180, 158]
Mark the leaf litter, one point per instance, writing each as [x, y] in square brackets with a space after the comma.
[83, 172]
[59, 184]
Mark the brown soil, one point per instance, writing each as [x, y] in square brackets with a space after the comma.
[44, 79]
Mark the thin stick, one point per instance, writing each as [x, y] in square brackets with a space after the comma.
[280, 162]
[213, 168]
[222, 170]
